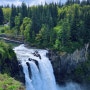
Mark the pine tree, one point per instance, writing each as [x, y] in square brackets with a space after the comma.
[75, 25]
[88, 2]
[36, 22]
[24, 10]
[87, 27]
[1, 17]
[12, 17]
[77, 1]
[65, 36]
[54, 13]
[69, 2]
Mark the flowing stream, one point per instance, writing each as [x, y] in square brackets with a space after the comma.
[38, 70]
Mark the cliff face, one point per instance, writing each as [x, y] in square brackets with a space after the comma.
[70, 66]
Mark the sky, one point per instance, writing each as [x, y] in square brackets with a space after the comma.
[28, 2]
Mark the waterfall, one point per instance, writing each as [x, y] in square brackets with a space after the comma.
[38, 70]
[29, 85]
[42, 77]
[36, 79]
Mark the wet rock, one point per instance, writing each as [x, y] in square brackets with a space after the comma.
[37, 54]
[21, 76]
[29, 69]
[36, 62]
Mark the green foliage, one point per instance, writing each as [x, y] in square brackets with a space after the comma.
[63, 28]
[8, 83]
[51, 25]
[6, 13]
[82, 71]
[17, 23]
[65, 34]
[7, 59]
[75, 25]
[57, 44]
[26, 29]
[42, 37]
[45, 37]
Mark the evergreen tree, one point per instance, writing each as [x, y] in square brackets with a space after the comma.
[24, 10]
[69, 2]
[77, 1]
[49, 19]
[43, 38]
[12, 17]
[65, 36]
[53, 12]
[87, 27]
[75, 25]
[36, 23]
[88, 2]
[51, 25]
[29, 12]
[1, 17]
[83, 2]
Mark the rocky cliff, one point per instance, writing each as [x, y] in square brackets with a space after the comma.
[74, 66]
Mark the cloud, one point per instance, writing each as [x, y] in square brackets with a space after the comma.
[28, 2]
[10, 2]
[36, 2]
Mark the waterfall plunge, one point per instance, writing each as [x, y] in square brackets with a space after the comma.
[42, 77]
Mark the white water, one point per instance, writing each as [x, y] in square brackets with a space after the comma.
[42, 77]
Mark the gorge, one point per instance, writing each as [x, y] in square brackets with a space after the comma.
[41, 76]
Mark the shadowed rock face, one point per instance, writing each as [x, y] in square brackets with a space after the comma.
[10, 65]
[30, 74]
[65, 65]
[21, 74]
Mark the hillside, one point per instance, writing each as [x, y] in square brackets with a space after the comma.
[8, 83]
[55, 26]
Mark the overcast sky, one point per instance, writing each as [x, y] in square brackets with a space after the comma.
[28, 2]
